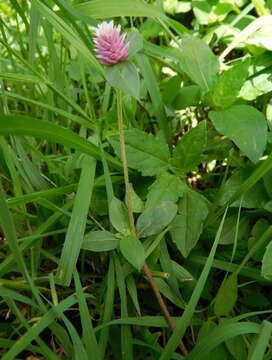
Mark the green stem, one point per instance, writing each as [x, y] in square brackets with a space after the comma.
[132, 224]
[124, 159]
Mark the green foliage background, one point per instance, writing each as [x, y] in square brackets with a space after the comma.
[196, 96]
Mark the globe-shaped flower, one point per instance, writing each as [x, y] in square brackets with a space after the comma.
[110, 45]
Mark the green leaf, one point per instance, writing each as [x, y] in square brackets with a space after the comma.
[187, 227]
[76, 227]
[124, 76]
[137, 203]
[135, 41]
[154, 219]
[119, 216]
[199, 63]
[237, 347]
[255, 197]
[228, 234]
[145, 152]
[187, 154]
[262, 37]
[263, 340]
[226, 296]
[27, 126]
[167, 187]
[101, 9]
[256, 86]
[151, 83]
[100, 241]
[88, 335]
[187, 96]
[229, 84]
[218, 353]
[221, 333]
[244, 125]
[133, 250]
[267, 262]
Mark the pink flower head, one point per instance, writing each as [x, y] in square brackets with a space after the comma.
[110, 45]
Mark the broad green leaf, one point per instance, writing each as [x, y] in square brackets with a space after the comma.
[229, 85]
[170, 89]
[187, 96]
[135, 41]
[167, 187]
[100, 241]
[208, 12]
[267, 262]
[187, 227]
[145, 152]
[137, 203]
[154, 219]
[174, 6]
[133, 250]
[102, 9]
[76, 228]
[244, 125]
[124, 76]
[256, 86]
[257, 231]
[199, 63]
[119, 217]
[226, 296]
[262, 37]
[27, 126]
[256, 197]
[187, 154]
[228, 233]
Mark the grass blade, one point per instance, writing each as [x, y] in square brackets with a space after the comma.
[87, 327]
[262, 341]
[154, 91]
[22, 125]
[76, 228]
[101, 9]
[108, 308]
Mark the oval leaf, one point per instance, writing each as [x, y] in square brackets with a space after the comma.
[244, 125]
[145, 152]
[133, 250]
[124, 76]
[100, 241]
[119, 217]
[154, 219]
